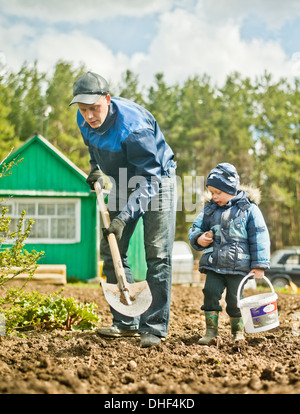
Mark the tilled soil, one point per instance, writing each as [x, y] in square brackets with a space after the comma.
[61, 362]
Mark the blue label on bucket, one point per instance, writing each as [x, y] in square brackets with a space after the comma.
[264, 315]
[263, 310]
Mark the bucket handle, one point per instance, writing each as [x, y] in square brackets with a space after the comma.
[243, 281]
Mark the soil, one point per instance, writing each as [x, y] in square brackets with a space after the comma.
[61, 362]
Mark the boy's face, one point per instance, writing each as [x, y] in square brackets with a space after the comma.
[219, 197]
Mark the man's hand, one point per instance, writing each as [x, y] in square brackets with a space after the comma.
[116, 226]
[94, 176]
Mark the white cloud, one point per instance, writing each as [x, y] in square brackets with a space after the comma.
[16, 44]
[78, 48]
[187, 43]
[274, 12]
[82, 11]
[20, 44]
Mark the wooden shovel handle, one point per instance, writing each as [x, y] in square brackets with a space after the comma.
[113, 244]
[102, 205]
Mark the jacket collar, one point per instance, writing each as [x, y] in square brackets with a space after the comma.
[240, 200]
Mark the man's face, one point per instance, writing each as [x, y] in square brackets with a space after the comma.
[96, 113]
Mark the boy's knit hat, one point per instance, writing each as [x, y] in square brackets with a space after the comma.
[225, 178]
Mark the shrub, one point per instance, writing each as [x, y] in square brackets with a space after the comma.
[20, 309]
[28, 310]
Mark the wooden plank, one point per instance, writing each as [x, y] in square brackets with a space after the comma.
[51, 278]
[55, 274]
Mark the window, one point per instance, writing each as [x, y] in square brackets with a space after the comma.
[55, 220]
[293, 259]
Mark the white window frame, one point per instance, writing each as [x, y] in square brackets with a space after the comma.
[15, 214]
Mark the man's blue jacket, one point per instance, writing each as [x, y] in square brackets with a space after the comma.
[130, 139]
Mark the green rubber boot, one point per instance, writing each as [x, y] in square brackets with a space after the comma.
[212, 320]
[237, 329]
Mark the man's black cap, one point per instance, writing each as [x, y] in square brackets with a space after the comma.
[88, 88]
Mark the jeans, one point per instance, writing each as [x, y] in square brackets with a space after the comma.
[159, 232]
[215, 285]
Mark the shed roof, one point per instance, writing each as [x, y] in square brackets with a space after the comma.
[44, 171]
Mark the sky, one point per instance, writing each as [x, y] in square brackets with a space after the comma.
[179, 38]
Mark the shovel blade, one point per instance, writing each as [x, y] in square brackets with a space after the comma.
[139, 294]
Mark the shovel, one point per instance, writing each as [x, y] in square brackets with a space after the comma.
[130, 299]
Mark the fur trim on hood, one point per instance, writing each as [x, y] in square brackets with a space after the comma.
[253, 193]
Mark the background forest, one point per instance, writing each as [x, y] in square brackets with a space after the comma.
[254, 124]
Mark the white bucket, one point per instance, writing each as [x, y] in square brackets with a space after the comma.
[259, 312]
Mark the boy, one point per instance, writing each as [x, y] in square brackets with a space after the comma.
[240, 244]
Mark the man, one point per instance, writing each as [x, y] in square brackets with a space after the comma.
[126, 143]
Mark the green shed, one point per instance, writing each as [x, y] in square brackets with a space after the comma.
[53, 191]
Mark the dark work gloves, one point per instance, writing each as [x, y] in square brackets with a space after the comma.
[95, 175]
[116, 226]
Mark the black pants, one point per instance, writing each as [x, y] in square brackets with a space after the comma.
[215, 285]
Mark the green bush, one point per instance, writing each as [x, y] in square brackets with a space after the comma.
[14, 259]
[23, 310]
[28, 310]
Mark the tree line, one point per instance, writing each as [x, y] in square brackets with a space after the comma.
[253, 124]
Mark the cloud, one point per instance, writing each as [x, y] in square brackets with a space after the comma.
[274, 12]
[187, 45]
[187, 42]
[16, 43]
[78, 48]
[82, 11]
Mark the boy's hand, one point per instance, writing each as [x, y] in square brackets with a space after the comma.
[258, 273]
[205, 239]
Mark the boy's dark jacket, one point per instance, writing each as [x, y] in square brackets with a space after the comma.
[241, 239]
